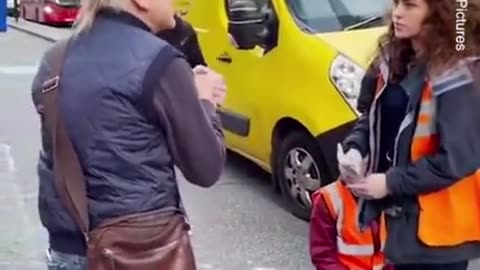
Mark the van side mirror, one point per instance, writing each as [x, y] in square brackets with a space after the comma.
[246, 24]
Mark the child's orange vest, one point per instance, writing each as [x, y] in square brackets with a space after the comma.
[355, 247]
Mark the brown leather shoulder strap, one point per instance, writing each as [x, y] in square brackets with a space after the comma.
[69, 177]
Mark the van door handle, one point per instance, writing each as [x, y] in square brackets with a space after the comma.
[225, 58]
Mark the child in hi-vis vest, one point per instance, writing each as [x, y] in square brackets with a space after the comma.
[336, 242]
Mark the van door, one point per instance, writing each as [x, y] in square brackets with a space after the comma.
[244, 71]
[249, 89]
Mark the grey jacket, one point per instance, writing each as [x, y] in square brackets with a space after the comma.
[457, 94]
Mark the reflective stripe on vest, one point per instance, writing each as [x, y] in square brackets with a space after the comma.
[344, 248]
[355, 248]
[425, 140]
[459, 221]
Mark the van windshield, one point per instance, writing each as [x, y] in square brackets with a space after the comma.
[318, 16]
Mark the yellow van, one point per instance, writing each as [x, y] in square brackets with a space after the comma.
[293, 80]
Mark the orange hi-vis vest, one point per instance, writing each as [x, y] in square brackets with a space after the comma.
[450, 216]
[355, 247]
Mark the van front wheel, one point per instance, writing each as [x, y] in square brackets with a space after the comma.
[298, 169]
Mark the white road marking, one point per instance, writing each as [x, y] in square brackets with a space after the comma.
[22, 263]
[10, 197]
[22, 232]
[6, 158]
[18, 70]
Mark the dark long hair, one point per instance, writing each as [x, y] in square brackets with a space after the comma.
[439, 38]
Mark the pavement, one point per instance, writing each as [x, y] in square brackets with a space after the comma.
[48, 33]
[239, 224]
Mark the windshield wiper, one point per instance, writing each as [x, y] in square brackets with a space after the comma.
[363, 23]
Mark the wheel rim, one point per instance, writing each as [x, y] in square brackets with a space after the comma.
[302, 176]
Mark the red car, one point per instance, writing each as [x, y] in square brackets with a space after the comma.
[55, 12]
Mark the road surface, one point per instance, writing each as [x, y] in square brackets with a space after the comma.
[239, 224]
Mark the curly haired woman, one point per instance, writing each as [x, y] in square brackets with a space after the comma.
[421, 135]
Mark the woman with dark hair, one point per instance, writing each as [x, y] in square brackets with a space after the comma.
[421, 136]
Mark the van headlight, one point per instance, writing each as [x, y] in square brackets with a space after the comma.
[347, 77]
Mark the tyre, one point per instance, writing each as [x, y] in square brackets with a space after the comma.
[298, 165]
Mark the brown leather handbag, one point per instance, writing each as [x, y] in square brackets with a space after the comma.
[156, 240]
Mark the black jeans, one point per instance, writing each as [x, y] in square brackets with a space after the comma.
[453, 266]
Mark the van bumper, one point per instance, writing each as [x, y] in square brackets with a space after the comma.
[328, 142]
